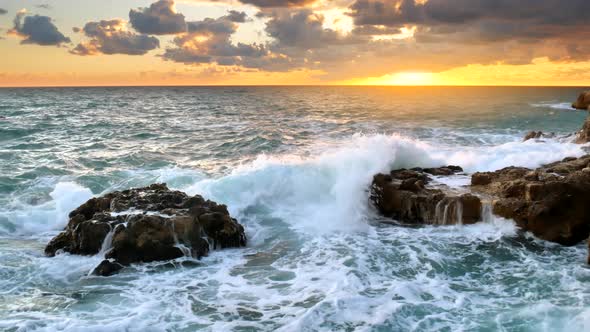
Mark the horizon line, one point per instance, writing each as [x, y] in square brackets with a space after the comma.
[288, 85]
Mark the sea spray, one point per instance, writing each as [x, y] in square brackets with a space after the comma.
[323, 193]
[25, 219]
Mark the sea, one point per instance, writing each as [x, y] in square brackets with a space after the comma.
[294, 165]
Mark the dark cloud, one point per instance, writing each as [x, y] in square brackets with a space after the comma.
[303, 29]
[237, 17]
[507, 19]
[3, 11]
[112, 37]
[160, 18]
[278, 3]
[38, 30]
[511, 32]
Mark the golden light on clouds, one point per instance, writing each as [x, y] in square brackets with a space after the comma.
[336, 19]
[264, 42]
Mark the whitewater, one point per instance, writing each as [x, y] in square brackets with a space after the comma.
[294, 166]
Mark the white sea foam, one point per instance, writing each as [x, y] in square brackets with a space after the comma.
[323, 192]
[554, 105]
[26, 219]
[525, 154]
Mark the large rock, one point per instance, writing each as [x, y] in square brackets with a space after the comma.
[552, 202]
[147, 224]
[583, 102]
[403, 195]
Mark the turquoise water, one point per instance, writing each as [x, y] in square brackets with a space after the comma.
[293, 164]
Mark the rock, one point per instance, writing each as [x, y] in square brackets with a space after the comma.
[583, 102]
[505, 174]
[583, 136]
[403, 195]
[222, 229]
[88, 237]
[107, 268]
[154, 238]
[61, 242]
[551, 202]
[481, 179]
[538, 135]
[443, 171]
[147, 224]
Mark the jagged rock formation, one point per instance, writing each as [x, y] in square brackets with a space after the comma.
[552, 202]
[404, 196]
[147, 224]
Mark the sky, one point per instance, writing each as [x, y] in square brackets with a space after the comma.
[294, 42]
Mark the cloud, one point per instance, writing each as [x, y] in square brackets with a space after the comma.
[112, 37]
[535, 19]
[209, 42]
[44, 6]
[3, 11]
[236, 16]
[303, 29]
[278, 3]
[160, 18]
[38, 30]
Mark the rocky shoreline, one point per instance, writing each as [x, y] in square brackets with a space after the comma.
[155, 223]
[552, 201]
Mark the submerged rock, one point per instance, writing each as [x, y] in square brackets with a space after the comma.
[538, 135]
[404, 196]
[583, 101]
[552, 202]
[107, 268]
[147, 224]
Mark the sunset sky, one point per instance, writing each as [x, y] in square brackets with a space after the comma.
[266, 42]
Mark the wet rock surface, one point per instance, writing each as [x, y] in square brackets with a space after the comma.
[107, 268]
[405, 195]
[147, 224]
[552, 202]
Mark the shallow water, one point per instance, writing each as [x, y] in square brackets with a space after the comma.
[293, 164]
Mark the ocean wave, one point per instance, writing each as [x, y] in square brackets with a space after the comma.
[324, 189]
[25, 219]
[554, 105]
